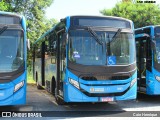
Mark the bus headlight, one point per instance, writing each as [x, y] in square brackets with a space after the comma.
[158, 78]
[18, 86]
[133, 81]
[74, 83]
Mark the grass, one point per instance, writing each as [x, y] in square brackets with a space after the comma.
[30, 78]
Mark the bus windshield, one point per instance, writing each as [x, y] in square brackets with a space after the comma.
[157, 39]
[11, 50]
[115, 49]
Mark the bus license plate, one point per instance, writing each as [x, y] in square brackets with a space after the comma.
[107, 99]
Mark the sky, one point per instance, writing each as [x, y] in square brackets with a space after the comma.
[62, 8]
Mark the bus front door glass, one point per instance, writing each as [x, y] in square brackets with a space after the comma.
[141, 60]
[62, 61]
[158, 50]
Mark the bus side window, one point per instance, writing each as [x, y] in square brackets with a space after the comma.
[47, 51]
[53, 48]
[137, 50]
[38, 51]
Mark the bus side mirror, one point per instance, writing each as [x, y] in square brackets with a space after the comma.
[153, 45]
[144, 60]
[65, 36]
[28, 44]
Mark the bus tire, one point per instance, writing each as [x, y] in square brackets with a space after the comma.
[37, 84]
[53, 85]
[59, 101]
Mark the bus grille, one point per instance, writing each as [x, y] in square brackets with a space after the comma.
[103, 77]
[120, 77]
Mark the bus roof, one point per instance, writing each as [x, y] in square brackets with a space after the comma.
[141, 35]
[79, 16]
[150, 26]
[13, 18]
[10, 14]
[46, 33]
[100, 16]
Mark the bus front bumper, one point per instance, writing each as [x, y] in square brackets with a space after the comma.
[14, 92]
[72, 94]
[10, 98]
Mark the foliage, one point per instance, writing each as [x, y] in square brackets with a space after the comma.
[142, 14]
[34, 12]
[30, 79]
[3, 6]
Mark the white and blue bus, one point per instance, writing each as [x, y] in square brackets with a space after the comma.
[87, 59]
[13, 54]
[148, 59]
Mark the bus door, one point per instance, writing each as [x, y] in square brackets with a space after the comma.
[42, 65]
[142, 61]
[61, 64]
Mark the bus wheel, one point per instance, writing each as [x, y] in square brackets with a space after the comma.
[53, 85]
[38, 86]
[59, 101]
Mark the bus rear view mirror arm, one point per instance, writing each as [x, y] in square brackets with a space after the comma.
[65, 37]
[153, 44]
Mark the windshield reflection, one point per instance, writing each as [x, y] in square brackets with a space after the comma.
[84, 49]
[11, 50]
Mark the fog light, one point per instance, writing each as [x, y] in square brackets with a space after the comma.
[133, 81]
[74, 82]
[158, 78]
[18, 86]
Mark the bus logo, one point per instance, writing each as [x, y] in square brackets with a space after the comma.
[6, 114]
[91, 89]
[96, 89]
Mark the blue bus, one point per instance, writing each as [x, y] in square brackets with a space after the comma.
[13, 55]
[148, 59]
[87, 59]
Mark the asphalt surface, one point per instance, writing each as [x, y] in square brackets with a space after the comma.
[42, 102]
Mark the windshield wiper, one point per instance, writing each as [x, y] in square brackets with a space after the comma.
[108, 46]
[116, 34]
[94, 35]
[113, 38]
[3, 29]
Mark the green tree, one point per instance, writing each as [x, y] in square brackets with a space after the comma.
[142, 14]
[34, 12]
[45, 25]
[3, 6]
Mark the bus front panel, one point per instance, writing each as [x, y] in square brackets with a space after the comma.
[13, 92]
[79, 90]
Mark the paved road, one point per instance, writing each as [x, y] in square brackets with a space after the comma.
[40, 100]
